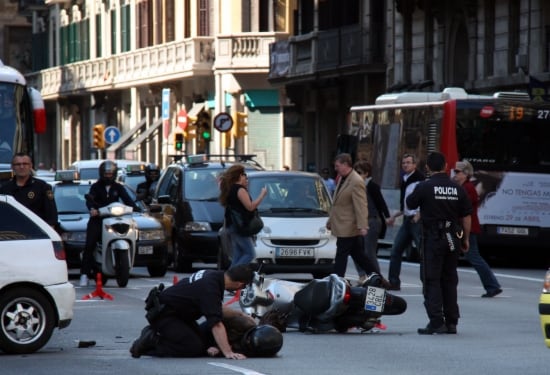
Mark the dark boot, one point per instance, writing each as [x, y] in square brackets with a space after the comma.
[144, 343]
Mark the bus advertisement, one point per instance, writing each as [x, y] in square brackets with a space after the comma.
[506, 138]
[22, 114]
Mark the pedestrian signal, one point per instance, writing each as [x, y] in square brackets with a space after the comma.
[98, 136]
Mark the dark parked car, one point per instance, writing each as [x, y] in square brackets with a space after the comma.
[188, 193]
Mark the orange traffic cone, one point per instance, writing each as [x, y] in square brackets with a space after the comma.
[98, 292]
[175, 280]
[235, 298]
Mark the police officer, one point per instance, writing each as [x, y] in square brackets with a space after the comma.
[32, 192]
[175, 332]
[102, 193]
[146, 188]
[445, 210]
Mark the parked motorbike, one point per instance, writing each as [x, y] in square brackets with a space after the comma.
[114, 255]
[320, 305]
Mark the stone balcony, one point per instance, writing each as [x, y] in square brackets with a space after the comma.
[175, 60]
[200, 56]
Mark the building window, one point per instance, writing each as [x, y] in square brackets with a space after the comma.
[204, 29]
[513, 34]
[489, 40]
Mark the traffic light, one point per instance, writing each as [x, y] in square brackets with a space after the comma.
[242, 125]
[178, 141]
[204, 126]
[98, 137]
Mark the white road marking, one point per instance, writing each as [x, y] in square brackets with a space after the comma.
[241, 370]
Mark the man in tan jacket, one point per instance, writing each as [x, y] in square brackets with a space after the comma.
[348, 219]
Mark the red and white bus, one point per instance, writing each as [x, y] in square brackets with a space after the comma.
[22, 114]
[506, 137]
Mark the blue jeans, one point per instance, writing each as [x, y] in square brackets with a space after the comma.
[408, 232]
[243, 248]
[485, 273]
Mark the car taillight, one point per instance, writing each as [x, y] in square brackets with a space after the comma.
[347, 295]
[59, 250]
[546, 284]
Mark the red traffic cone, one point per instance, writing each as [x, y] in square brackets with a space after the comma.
[175, 280]
[98, 292]
[235, 298]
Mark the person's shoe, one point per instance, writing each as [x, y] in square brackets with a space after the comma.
[492, 293]
[83, 280]
[451, 329]
[145, 342]
[429, 330]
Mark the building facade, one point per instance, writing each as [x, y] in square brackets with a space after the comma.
[294, 67]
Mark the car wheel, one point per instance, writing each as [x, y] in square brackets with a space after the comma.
[122, 268]
[181, 264]
[26, 321]
[157, 271]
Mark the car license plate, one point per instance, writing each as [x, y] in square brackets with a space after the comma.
[515, 231]
[144, 250]
[295, 252]
[375, 299]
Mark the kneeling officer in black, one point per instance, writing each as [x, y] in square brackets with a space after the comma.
[175, 332]
[445, 210]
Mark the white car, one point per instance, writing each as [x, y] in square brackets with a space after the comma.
[35, 293]
[295, 212]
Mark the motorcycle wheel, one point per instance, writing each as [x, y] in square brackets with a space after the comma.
[122, 268]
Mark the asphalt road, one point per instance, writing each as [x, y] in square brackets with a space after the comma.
[500, 335]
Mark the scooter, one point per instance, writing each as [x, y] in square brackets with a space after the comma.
[115, 253]
[321, 305]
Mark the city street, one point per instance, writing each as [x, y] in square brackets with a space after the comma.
[499, 335]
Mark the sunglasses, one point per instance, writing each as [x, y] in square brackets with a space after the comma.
[456, 171]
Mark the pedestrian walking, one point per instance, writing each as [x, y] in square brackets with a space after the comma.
[378, 212]
[410, 229]
[446, 221]
[463, 172]
[348, 219]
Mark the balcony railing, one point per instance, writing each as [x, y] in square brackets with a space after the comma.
[190, 57]
[246, 51]
[325, 51]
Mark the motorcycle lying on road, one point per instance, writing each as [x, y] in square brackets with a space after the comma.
[115, 254]
[320, 305]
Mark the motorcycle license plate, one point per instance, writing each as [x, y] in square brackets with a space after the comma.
[295, 252]
[145, 250]
[375, 299]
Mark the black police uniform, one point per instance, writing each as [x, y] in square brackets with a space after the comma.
[179, 334]
[98, 197]
[443, 203]
[36, 195]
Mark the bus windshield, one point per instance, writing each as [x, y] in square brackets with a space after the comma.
[15, 121]
[504, 136]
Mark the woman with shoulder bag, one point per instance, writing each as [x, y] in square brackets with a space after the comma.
[239, 209]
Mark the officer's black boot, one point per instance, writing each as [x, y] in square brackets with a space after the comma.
[147, 341]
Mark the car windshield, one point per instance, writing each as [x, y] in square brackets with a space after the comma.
[292, 193]
[69, 198]
[202, 184]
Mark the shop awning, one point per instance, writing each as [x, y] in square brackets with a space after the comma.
[261, 98]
